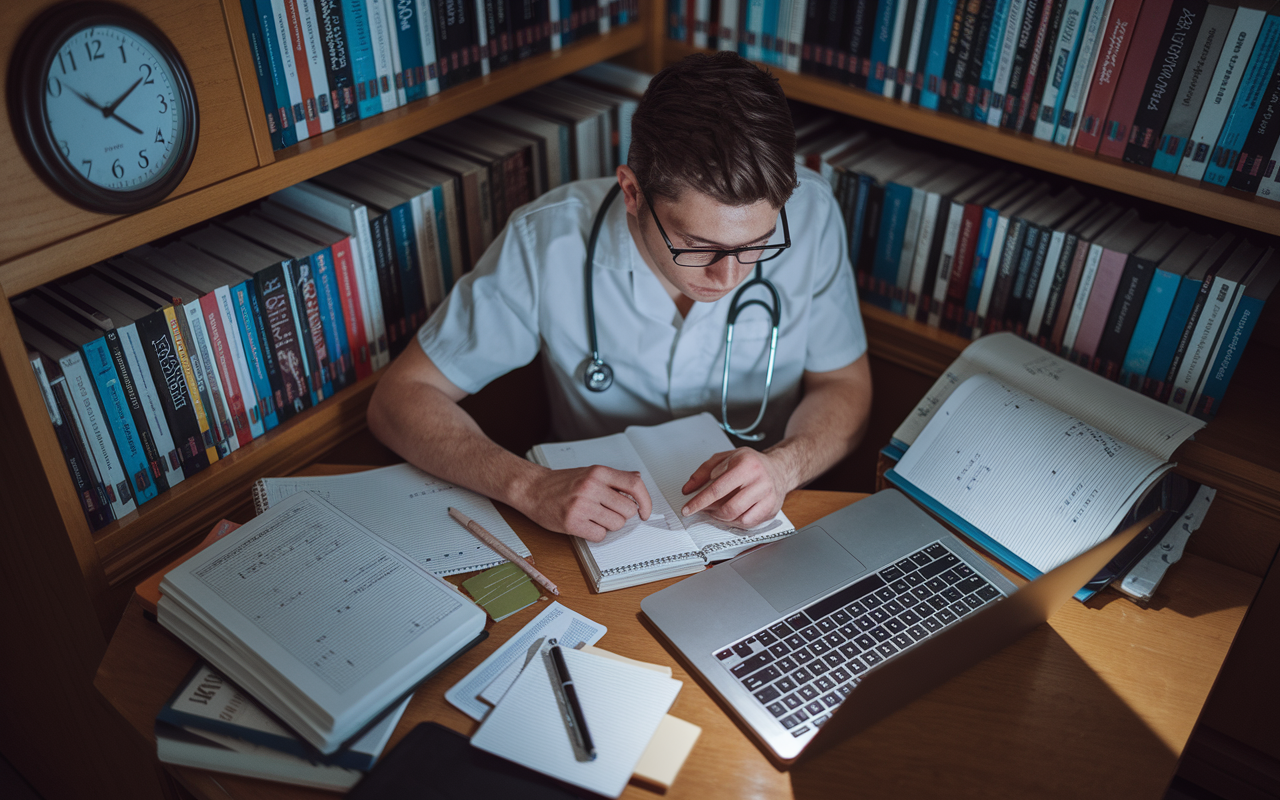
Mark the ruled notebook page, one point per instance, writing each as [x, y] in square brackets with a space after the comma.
[1107, 406]
[1040, 482]
[672, 451]
[637, 542]
[622, 704]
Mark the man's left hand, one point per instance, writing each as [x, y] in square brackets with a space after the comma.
[744, 487]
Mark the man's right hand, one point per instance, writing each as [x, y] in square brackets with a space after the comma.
[587, 501]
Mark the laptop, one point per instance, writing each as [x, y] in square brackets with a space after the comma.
[814, 638]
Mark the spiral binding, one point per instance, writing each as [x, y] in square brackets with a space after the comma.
[714, 546]
[653, 562]
[260, 502]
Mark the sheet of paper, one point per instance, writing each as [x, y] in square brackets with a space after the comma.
[410, 509]
[622, 705]
[502, 590]
[1042, 483]
[566, 625]
[1106, 405]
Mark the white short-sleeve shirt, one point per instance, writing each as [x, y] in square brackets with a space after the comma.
[526, 295]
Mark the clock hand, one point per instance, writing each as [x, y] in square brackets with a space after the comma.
[83, 97]
[131, 127]
[109, 110]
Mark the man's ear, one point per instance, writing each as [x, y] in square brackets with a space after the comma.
[630, 189]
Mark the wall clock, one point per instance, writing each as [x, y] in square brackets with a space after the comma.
[103, 106]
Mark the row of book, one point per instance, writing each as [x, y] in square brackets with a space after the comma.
[323, 63]
[163, 360]
[972, 249]
[1187, 87]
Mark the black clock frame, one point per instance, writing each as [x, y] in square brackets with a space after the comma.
[33, 57]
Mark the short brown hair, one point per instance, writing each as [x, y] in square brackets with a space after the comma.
[718, 124]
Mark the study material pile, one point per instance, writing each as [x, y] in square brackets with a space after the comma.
[1032, 457]
[1184, 86]
[953, 244]
[667, 544]
[325, 63]
[165, 359]
[410, 510]
[211, 724]
[325, 624]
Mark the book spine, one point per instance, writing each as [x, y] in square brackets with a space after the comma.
[1034, 247]
[92, 497]
[1170, 62]
[918, 50]
[337, 61]
[1123, 316]
[1061, 60]
[955, 32]
[407, 34]
[881, 31]
[1269, 184]
[1033, 86]
[920, 262]
[278, 324]
[973, 79]
[884, 270]
[961, 85]
[352, 308]
[977, 276]
[946, 263]
[894, 56]
[238, 350]
[97, 432]
[250, 337]
[221, 344]
[1252, 164]
[175, 394]
[298, 62]
[388, 286]
[1105, 283]
[958, 283]
[1146, 331]
[1081, 72]
[933, 259]
[275, 403]
[429, 278]
[316, 63]
[1112, 50]
[427, 41]
[310, 332]
[1143, 53]
[1214, 309]
[448, 235]
[219, 434]
[994, 44]
[152, 404]
[282, 109]
[380, 46]
[1009, 257]
[1186, 102]
[1004, 61]
[364, 70]
[180, 334]
[1253, 84]
[1026, 34]
[1057, 295]
[1040, 283]
[910, 238]
[847, 55]
[329, 299]
[999, 236]
[156, 462]
[98, 359]
[1236, 52]
[1218, 376]
[262, 69]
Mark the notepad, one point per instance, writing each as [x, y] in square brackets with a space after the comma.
[408, 508]
[623, 705]
[502, 590]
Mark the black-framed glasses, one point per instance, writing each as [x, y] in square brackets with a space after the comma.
[700, 257]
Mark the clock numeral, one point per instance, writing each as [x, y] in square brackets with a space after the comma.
[88, 166]
[117, 170]
[63, 63]
[159, 136]
[164, 104]
[55, 87]
[148, 79]
[64, 147]
[123, 58]
[94, 51]
[143, 161]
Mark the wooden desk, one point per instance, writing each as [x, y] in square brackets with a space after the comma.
[1099, 701]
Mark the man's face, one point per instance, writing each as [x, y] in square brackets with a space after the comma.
[694, 220]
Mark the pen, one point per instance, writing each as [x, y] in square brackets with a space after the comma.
[501, 549]
[577, 722]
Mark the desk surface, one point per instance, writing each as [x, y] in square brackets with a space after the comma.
[1099, 701]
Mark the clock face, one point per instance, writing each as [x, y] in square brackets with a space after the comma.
[113, 108]
[102, 106]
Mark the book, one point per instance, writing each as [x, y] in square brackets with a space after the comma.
[213, 751]
[1193, 89]
[332, 33]
[1118, 245]
[1067, 123]
[1135, 279]
[1143, 47]
[1171, 59]
[1113, 48]
[1258, 288]
[262, 69]
[1061, 59]
[1034, 458]
[1255, 84]
[320, 620]
[667, 544]
[1253, 161]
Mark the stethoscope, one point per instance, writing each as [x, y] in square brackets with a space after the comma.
[599, 375]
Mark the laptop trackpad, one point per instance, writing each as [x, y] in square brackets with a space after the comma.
[796, 569]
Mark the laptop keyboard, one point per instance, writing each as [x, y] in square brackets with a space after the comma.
[800, 668]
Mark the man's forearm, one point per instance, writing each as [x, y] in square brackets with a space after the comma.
[827, 425]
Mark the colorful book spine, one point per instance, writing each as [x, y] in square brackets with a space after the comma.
[1112, 52]
[1254, 84]
[250, 337]
[220, 434]
[352, 308]
[328, 296]
[363, 68]
[1004, 62]
[936, 62]
[1254, 161]
[282, 107]
[1062, 60]
[337, 61]
[1194, 87]
[413, 72]
[311, 35]
[124, 432]
[178, 326]
[175, 393]
[282, 335]
[300, 284]
[151, 401]
[1143, 52]
[1081, 72]
[1151, 321]
[262, 69]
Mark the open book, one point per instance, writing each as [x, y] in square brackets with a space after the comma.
[1031, 456]
[667, 544]
[318, 619]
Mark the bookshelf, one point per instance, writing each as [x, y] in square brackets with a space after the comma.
[65, 586]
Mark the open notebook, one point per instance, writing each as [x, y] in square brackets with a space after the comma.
[667, 544]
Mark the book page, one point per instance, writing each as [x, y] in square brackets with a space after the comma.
[1042, 483]
[1121, 412]
[672, 451]
[410, 509]
[638, 542]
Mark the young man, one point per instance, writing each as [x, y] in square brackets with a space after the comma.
[711, 169]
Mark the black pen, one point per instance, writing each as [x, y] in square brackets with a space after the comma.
[577, 721]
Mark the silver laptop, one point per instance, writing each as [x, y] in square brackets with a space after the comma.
[816, 637]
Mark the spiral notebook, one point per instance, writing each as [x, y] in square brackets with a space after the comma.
[666, 544]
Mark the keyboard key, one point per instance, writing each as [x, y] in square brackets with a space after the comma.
[914, 579]
[826, 624]
[759, 679]
[950, 577]
[938, 602]
[768, 694]
[879, 634]
[950, 559]
[723, 654]
[792, 701]
[871, 601]
[801, 731]
[810, 633]
[871, 657]
[988, 592]
[834, 639]
[970, 584]
[900, 586]
[765, 638]
[849, 650]
[819, 647]
[908, 600]
[973, 601]
[840, 675]
[902, 640]
[864, 641]
[816, 707]
[803, 656]
[824, 684]
[834, 659]
[963, 570]
[922, 592]
[910, 617]
[946, 616]
[797, 621]
[935, 584]
[819, 667]
[794, 719]
[865, 622]
[785, 685]
[960, 609]
[892, 573]
[896, 625]
[856, 666]
[794, 641]
[786, 664]
[856, 609]
[808, 693]
[844, 597]
[893, 607]
[880, 614]
[935, 550]
[831, 699]
[779, 649]
[780, 629]
[842, 617]
[934, 569]
[848, 631]
[921, 558]
[750, 665]
[952, 593]
[802, 676]
[742, 648]
[846, 688]
[776, 709]
[931, 624]
[905, 565]
[817, 723]
[917, 632]
[885, 593]
[886, 649]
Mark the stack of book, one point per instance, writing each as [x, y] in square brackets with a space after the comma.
[162, 360]
[1188, 87]
[323, 63]
[1157, 307]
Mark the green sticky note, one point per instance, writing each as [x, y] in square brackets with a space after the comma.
[502, 591]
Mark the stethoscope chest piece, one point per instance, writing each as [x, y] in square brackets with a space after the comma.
[598, 375]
